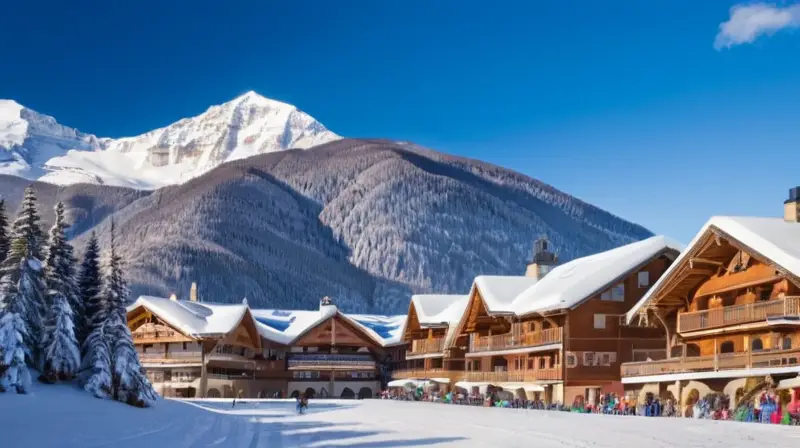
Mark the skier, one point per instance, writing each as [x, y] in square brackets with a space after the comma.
[302, 403]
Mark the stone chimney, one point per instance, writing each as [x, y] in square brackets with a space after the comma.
[791, 207]
[173, 297]
[543, 259]
[193, 292]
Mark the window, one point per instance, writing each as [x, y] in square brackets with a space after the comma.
[765, 292]
[599, 321]
[588, 358]
[644, 279]
[606, 359]
[615, 294]
[726, 347]
[787, 343]
[757, 345]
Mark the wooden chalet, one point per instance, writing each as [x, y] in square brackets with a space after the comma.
[430, 325]
[556, 334]
[730, 310]
[199, 349]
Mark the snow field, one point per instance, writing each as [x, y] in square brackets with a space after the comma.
[63, 416]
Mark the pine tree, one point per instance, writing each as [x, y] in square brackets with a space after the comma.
[14, 346]
[96, 366]
[111, 365]
[60, 271]
[21, 285]
[89, 283]
[13, 353]
[4, 238]
[61, 353]
[27, 225]
[129, 385]
[115, 289]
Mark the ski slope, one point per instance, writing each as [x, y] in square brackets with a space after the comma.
[62, 416]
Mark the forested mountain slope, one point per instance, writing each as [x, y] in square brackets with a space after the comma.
[367, 222]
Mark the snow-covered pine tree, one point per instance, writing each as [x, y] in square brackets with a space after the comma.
[111, 364]
[13, 353]
[21, 273]
[96, 365]
[129, 385]
[89, 282]
[4, 239]
[14, 346]
[60, 271]
[115, 288]
[61, 354]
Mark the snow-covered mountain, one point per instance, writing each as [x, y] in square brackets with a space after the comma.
[29, 139]
[35, 146]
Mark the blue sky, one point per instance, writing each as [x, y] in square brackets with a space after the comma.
[650, 110]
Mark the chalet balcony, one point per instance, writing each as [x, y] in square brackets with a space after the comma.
[510, 341]
[330, 361]
[548, 374]
[788, 307]
[427, 346]
[453, 375]
[157, 337]
[176, 357]
[713, 363]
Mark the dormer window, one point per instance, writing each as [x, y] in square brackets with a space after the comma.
[615, 294]
[643, 279]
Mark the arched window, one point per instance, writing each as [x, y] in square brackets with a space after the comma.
[757, 345]
[787, 343]
[726, 347]
[692, 350]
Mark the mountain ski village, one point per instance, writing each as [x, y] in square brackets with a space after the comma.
[636, 334]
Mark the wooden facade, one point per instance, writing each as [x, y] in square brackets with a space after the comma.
[729, 313]
[332, 358]
[568, 352]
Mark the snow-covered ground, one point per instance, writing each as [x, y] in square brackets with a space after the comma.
[62, 416]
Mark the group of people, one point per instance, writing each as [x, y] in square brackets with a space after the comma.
[765, 409]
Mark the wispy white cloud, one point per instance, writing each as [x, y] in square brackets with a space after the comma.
[749, 21]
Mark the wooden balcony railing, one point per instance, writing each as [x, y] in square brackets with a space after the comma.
[739, 314]
[551, 373]
[427, 346]
[723, 361]
[427, 373]
[511, 341]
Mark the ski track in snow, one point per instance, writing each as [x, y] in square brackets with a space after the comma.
[62, 416]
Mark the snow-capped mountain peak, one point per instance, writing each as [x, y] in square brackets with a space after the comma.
[28, 139]
[245, 126]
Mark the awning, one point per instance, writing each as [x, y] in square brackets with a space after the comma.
[468, 385]
[409, 383]
[791, 383]
[441, 380]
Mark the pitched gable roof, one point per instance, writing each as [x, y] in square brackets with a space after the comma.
[568, 285]
[197, 320]
[772, 239]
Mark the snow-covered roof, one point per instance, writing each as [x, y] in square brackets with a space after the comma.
[773, 238]
[499, 291]
[569, 284]
[203, 319]
[440, 309]
[195, 319]
[285, 326]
